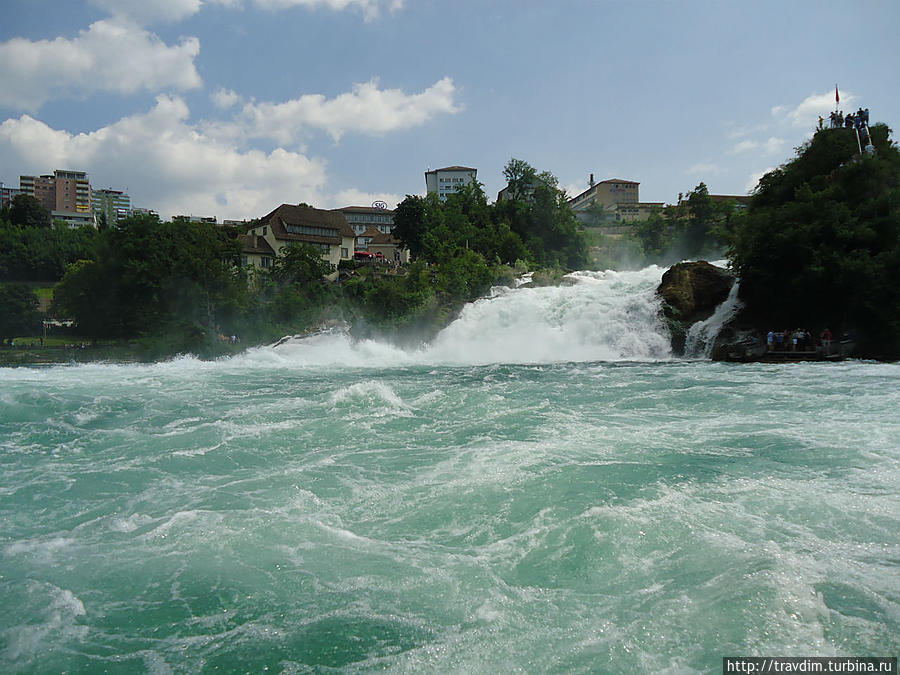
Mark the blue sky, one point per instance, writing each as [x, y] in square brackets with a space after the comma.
[232, 107]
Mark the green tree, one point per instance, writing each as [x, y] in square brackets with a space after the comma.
[27, 211]
[300, 263]
[149, 278]
[18, 311]
[521, 178]
[540, 215]
[700, 222]
[654, 235]
[820, 244]
[409, 224]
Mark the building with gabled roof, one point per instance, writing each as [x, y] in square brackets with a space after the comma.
[327, 230]
[256, 252]
[362, 240]
[390, 247]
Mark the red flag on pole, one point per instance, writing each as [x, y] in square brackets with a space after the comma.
[837, 97]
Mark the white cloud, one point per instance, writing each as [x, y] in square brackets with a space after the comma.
[703, 169]
[175, 166]
[367, 109]
[354, 197]
[168, 163]
[144, 12]
[768, 147]
[807, 113]
[754, 179]
[108, 56]
[148, 11]
[575, 188]
[370, 8]
[774, 145]
[226, 98]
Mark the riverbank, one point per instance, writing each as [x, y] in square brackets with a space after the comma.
[74, 353]
[33, 354]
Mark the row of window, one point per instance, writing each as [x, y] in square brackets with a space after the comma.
[311, 230]
[359, 229]
[368, 218]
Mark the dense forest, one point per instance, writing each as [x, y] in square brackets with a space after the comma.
[173, 287]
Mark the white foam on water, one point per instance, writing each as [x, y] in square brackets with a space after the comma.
[702, 335]
[57, 610]
[598, 316]
[129, 523]
[369, 400]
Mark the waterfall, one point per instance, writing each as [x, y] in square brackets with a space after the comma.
[594, 316]
[702, 335]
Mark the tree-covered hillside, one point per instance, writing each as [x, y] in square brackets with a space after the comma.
[820, 245]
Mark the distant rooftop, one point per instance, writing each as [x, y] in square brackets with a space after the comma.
[363, 209]
[453, 168]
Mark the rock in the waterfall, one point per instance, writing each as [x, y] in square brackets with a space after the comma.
[691, 292]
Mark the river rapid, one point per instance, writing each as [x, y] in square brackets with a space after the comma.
[543, 488]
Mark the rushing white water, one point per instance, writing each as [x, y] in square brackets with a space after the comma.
[599, 316]
[702, 335]
[540, 489]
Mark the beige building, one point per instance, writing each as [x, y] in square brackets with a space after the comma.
[329, 231]
[256, 252]
[620, 200]
[618, 197]
[389, 247]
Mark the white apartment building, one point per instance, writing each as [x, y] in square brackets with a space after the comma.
[448, 180]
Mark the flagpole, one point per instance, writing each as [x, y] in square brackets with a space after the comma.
[837, 98]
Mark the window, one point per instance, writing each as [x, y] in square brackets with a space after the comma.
[265, 231]
[345, 253]
[266, 262]
[244, 261]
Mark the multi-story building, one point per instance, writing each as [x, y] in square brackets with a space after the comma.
[63, 191]
[446, 181]
[212, 220]
[114, 205]
[327, 230]
[618, 199]
[74, 218]
[7, 193]
[361, 218]
[140, 211]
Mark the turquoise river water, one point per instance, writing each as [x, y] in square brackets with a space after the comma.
[543, 488]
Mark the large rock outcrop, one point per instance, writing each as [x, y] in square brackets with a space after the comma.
[691, 292]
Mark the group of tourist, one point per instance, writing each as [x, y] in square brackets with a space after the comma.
[798, 340]
[859, 119]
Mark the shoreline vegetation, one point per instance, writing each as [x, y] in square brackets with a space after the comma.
[818, 246]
